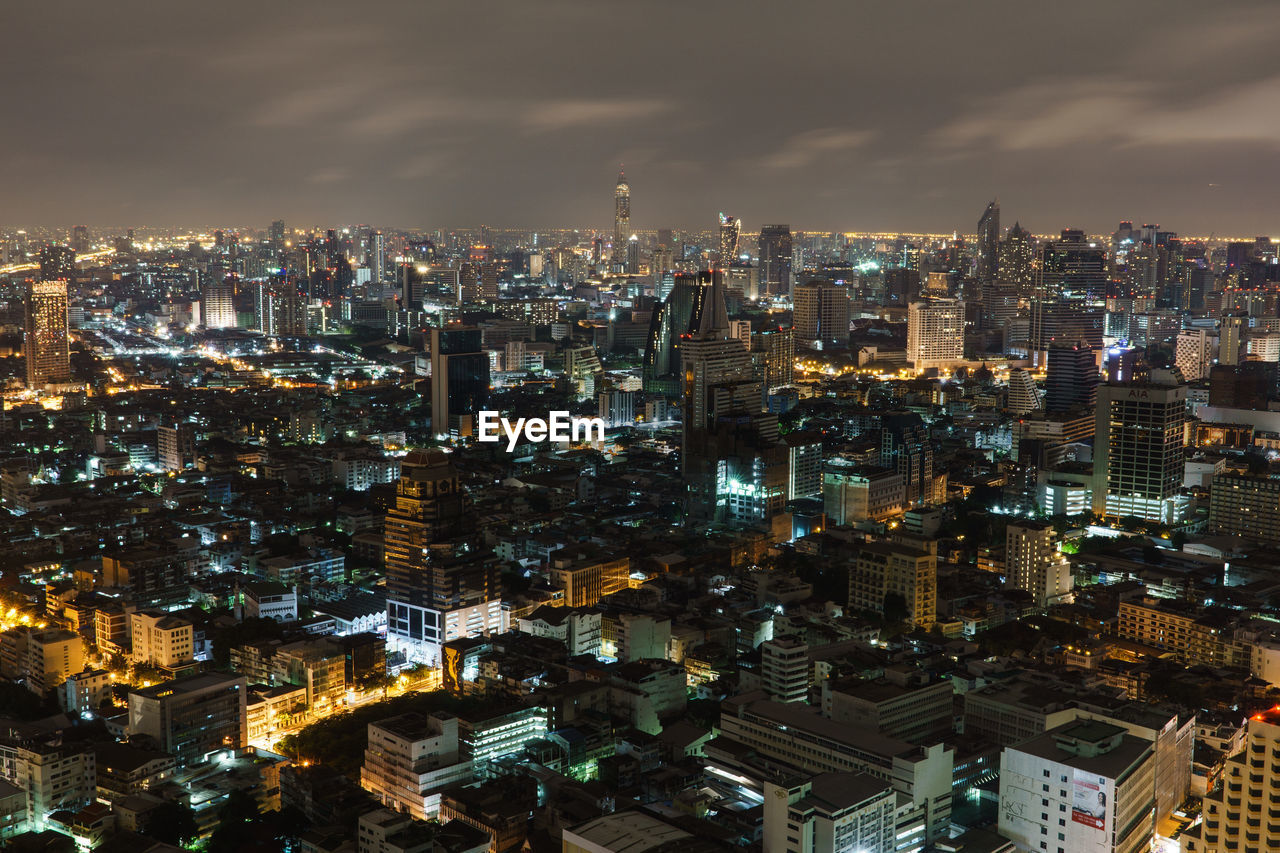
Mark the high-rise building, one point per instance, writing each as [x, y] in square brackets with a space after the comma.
[1074, 268]
[774, 352]
[888, 569]
[1017, 259]
[989, 244]
[633, 255]
[217, 302]
[821, 312]
[1024, 397]
[730, 229]
[1240, 814]
[459, 379]
[1246, 506]
[695, 303]
[175, 446]
[376, 256]
[1138, 449]
[275, 234]
[46, 345]
[57, 263]
[1086, 785]
[1231, 336]
[775, 259]
[436, 592]
[905, 447]
[839, 812]
[935, 333]
[1034, 563]
[1194, 353]
[192, 717]
[621, 217]
[1071, 379]
[80, 238]
[784, 669]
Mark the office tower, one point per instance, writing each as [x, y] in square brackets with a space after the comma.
[730, 229]
[1240, 813]
[840, 812]
[774, 352]
[1071, 379]
[660, 264]
[436, 592]
[1083, 785]
[1230, 338]
[884, 572]
[46, 345]
[275, 234]
[696, 303]
[192, 717]
[617, 408]
[459, 379]
[57, 263]
[989, 244]
[477, 282]
[804, 464]
[1034, 563]
[935, 333]
[621, 217]
[784, 669]
[1016, 266]
[775, 259]
[217, 301]
[821, 312]
[1245, 505]
[176, 446]
[376, 256]
[633, 255]
[1074, 269]
[1194, 354]
[1024, 397]
[1138, 449]
[80, 238]
[1123, 364]
[905, 447]
[718, 377]
[1056, 322]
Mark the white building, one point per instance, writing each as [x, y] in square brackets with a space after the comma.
[831, 812]
[935, 333]
[1194, 353]
[1082, 787]
[784, 669]
[1034, 563]
[160, 639]
[410, 759]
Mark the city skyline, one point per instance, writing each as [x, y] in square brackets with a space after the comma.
[342, 115]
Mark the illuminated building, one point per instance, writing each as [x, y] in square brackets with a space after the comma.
[696, 302]
[1230, 337]
[935, 333]
[784, 669]
[1137, 450]
[1033, 562]
[46, 345]
[217, 301]
[459, 379]
[410, 759]
[1016, 266]
[905, 447]
[376, 256]
[1194, 354]
[1245, 505]
[989, 244]
[1074, 269]
[888, 568]
[57, 263]
[586, 577]
[621, 217]
[775, 259]
[438, 589]
[840, 812]
[730, 229]
[175, 446]
[1240, 814]
[1084, 785]
[774, 354]
[1024, 397]
[852, 493]
[192, 717]
[821, 312]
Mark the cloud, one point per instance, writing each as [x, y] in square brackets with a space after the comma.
[577, 113]
[804, 149]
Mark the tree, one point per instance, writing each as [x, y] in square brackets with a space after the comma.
[173, 823]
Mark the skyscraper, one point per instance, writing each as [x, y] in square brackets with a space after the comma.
[436, 592]
[1071, 380]
[989, 244]
[775, 259]
[1231, 332]
[1017, 259]
[730, 229]
[1074, 268]
[1137, 449]
[696, 302]
[57, 263]
[377, 256]
[1024, 398]
[1239, 814]
[621, 217]
[935, 333]
[774, 353]
[1034, 563]
[46, 345]
[821, 312]
[459, 379]
[217, 301]
[1193, 353]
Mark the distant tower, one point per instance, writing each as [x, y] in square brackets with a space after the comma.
[775, 259]
[46, 346]
[989, 244]
[730, 228]
[217, 302]
[57, 263]
[621, 217]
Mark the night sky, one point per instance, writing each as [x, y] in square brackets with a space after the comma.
[842, 115]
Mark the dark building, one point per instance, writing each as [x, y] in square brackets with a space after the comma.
[1243, 386]
[775, 258]
[989, 244]
[905, 447]
[1071, 380]
[696, 302]
[1074, 269]
[57, 263]
[459, 379]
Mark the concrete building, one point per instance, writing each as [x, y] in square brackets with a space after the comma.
[836, 812]
[192, 717]
[1083, 786]
[1137, 450]
[410, 759]
[901, 704]
[1194, 353]
[160, 639]
[821, 312]
[1034, 563]
[935, 333]
[853, 493]
[1240, 814]
[1245, 505]
[588, 574]
[42, 659]
[884, 569]
[784, 669]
